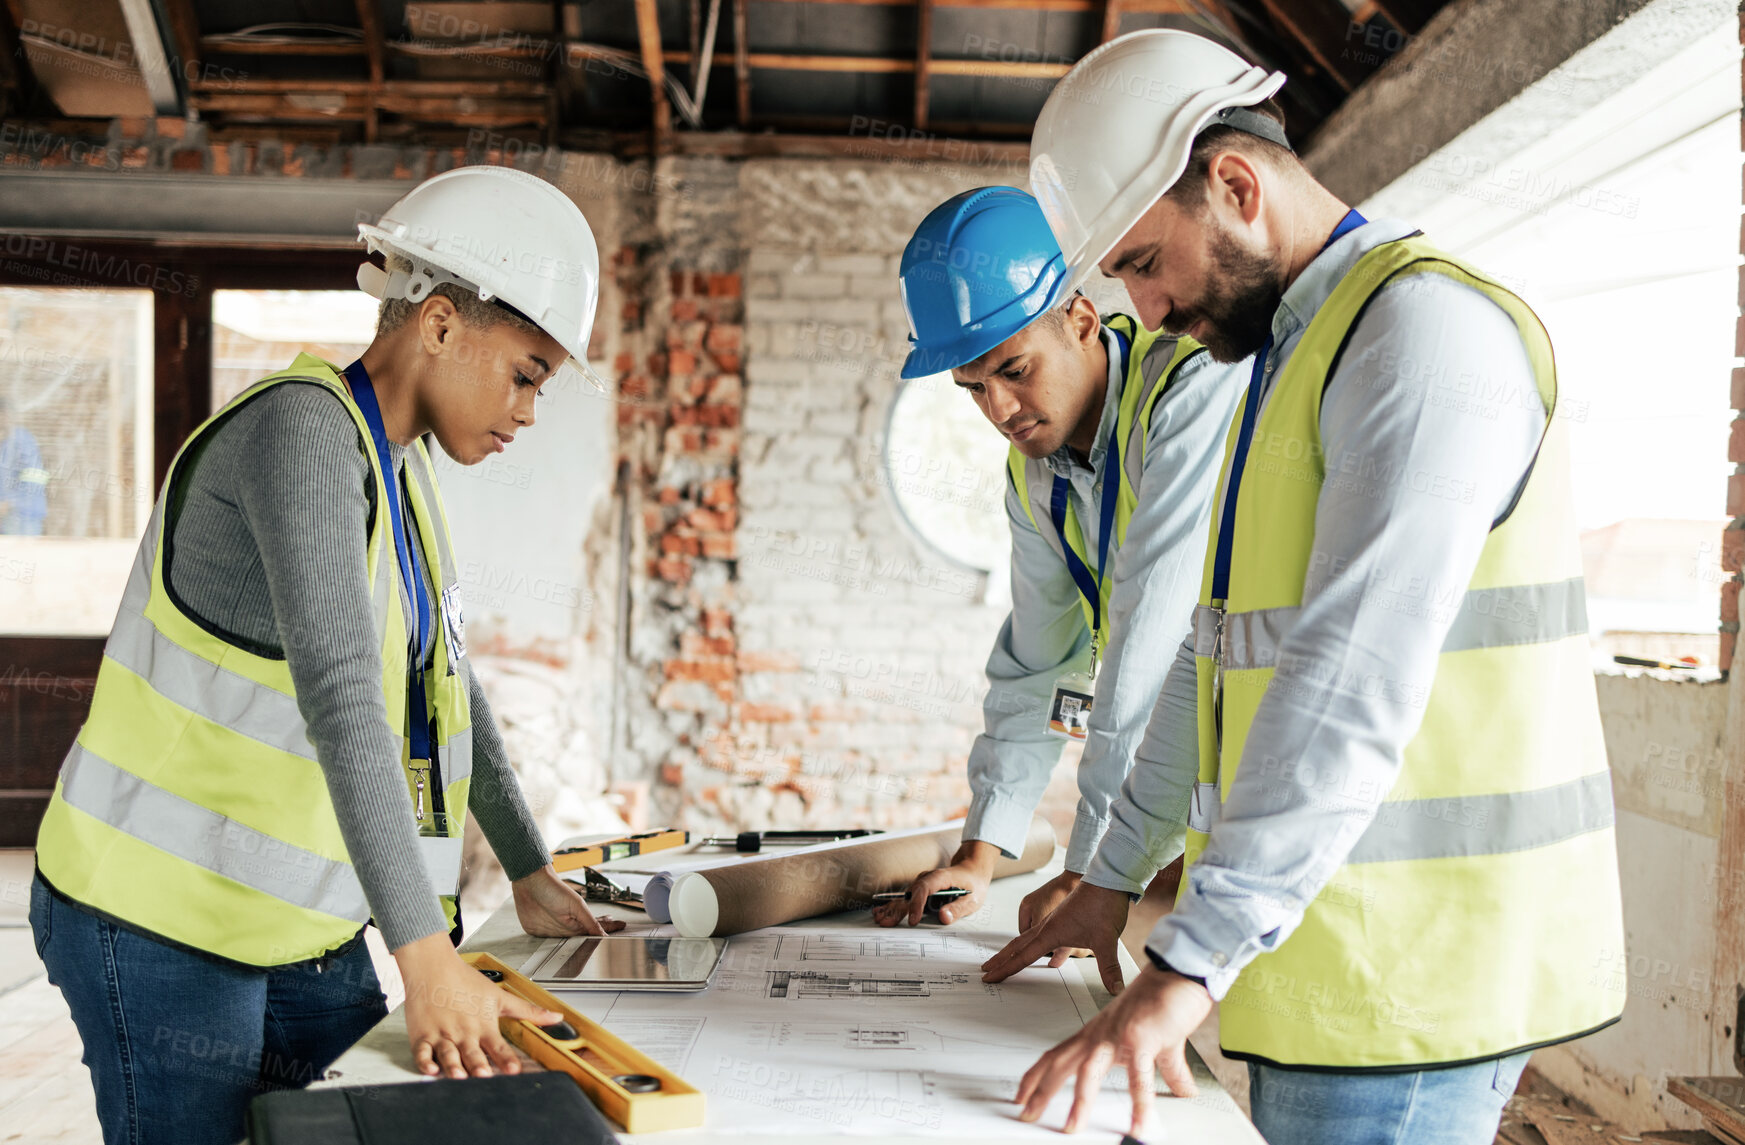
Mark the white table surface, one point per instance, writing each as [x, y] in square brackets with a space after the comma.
[383, 1055]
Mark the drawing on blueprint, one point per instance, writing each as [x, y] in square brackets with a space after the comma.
[824, 1038]
[826, 984]
[668, 1041]
[801, 947]
[898, 1098]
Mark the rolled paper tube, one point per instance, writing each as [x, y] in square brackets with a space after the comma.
[657, 897]
[781, 888]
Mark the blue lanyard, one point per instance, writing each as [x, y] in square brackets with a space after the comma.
[364, 394]
[1239, 454]
[1091, 587]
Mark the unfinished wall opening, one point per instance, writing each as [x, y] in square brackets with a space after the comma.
[75, 453]
[944, 468]
[1620, 227]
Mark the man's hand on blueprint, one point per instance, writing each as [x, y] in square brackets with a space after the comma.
[1091, 917]
[972, 868]
[1044, 901]
[1145, 1028]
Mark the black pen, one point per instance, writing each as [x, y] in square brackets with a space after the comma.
[750, 842]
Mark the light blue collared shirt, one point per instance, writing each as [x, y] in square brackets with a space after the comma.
[1429, 425]
[1156, 584]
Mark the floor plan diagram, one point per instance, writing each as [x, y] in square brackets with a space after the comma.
[812, 984]
[918, 946]
[815, 1031]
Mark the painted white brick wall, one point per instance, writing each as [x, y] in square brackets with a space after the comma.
[885, 672]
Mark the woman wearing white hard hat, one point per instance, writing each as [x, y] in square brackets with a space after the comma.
[1383, 735]
[286, 737]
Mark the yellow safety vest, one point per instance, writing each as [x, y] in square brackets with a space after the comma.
[192, 805]
[1154, 359]
[1467, 921]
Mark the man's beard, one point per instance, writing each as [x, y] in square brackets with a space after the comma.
[1241, 299]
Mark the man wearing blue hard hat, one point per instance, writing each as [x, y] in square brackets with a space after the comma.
[1116, 436]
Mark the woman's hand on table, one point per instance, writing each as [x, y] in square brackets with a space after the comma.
[548, 907]
[452, 1012]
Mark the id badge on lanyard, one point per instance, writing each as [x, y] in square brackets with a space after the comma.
[1069, 707]
[428, 809]
[1238, 464]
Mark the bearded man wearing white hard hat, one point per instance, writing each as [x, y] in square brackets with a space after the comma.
[286, 737]
[1379, 748]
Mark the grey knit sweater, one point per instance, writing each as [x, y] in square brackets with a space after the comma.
[269, 550]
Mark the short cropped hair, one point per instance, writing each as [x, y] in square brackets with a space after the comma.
[1189, 191]
[474, 311]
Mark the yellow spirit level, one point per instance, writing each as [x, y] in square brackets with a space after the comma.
[594, 854]
[626, 1084]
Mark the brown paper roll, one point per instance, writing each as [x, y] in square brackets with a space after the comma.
[781, 888]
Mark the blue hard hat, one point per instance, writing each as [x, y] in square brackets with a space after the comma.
[982, 266]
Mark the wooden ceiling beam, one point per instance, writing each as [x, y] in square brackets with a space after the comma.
[184, 38]
[14, 76]
[654, 63]
[221, 45]
[557, 75]
[1409, 16]
[923, 58]
[1111, 20]
[742, 63]
[885, 65]
[478, 89]
[524, 48]
[834, 144]
[1320, 28]
[371, 23]
[946, 137]
[357, 106]
[1154, 7]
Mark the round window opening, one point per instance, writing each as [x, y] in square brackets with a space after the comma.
[946, 470]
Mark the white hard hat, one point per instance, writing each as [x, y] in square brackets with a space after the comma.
[1116, 132]
[509, 236]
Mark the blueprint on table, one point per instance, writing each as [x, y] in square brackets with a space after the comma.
[877, 1032]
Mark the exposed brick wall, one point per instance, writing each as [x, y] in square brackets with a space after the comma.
[797, 663]
[825, 667]
[689, 520]
[171, 144]
[869, 680]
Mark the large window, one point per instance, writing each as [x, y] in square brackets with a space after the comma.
[75, 412]
[1621, 228]
[75, 453]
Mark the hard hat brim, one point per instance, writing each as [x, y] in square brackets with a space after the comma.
[584, 372]
[925, 361]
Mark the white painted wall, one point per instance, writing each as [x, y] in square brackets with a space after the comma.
[1664, 737]
[521, 518]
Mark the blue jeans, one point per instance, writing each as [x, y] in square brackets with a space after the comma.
[1456, 1106]
[178, 1044]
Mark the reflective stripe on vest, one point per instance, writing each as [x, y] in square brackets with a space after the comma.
[1153, 361]
[192, 805]
[1435, 942]
[1488, 618]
